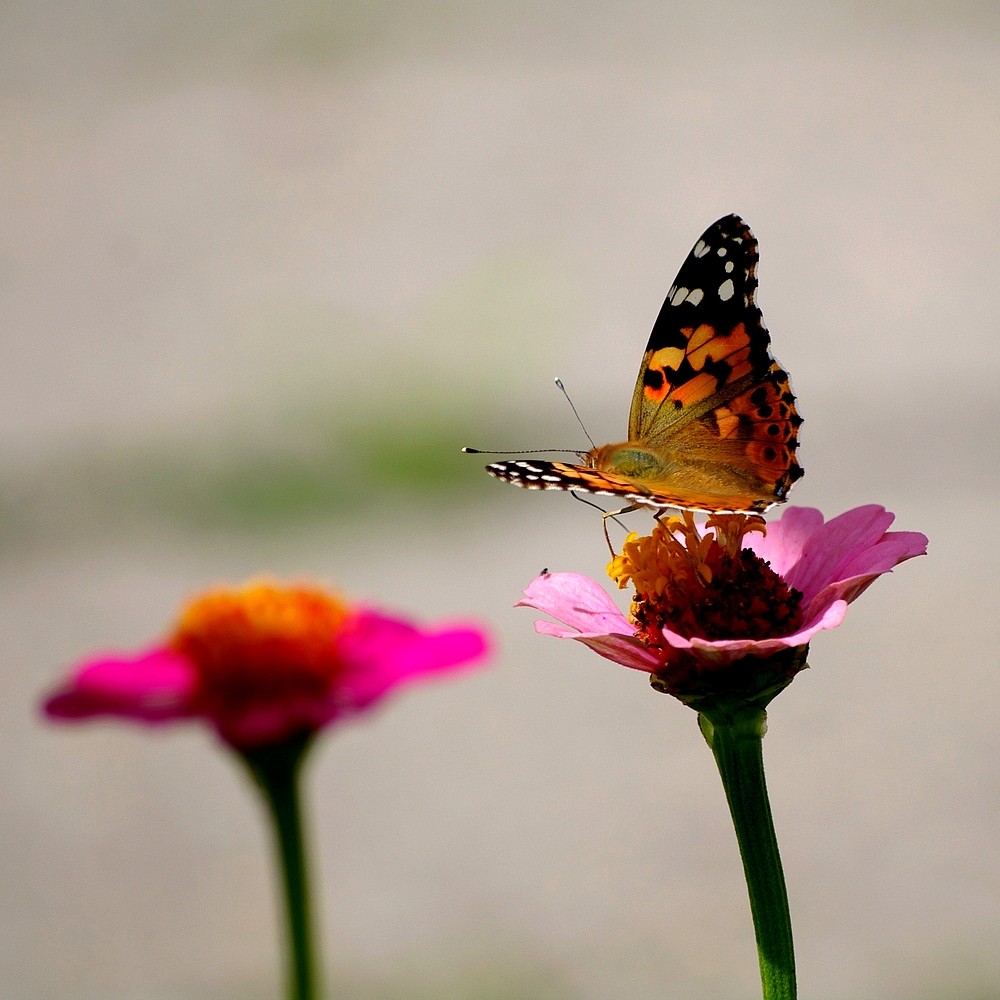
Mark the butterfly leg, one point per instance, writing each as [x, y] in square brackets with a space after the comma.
[665, 512]
[614, 515]
[605, 514]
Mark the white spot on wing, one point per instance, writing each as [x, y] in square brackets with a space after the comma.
[678, 297]
[726, 290]
[700, 248]
[695, 296]
[722, 251]
[729, 267]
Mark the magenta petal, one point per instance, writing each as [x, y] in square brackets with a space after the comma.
[154, 686]
[381, 653]
[263, 723]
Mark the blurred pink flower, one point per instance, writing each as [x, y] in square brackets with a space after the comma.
[265, 662]
[816, 569]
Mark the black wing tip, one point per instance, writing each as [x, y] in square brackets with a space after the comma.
[732, 225]
[519, 472]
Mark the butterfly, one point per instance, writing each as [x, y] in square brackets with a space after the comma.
[713, 425]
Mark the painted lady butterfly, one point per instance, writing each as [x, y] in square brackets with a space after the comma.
[713, 425]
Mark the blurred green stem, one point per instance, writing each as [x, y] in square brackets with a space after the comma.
[736, 740]
[276, 770]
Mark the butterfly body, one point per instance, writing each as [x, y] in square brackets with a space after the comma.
[713, 425]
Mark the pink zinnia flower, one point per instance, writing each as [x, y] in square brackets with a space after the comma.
[263, 663]
[724, 608]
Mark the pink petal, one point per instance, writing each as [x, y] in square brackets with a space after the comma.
[153, 686]
[896, 547]
[623, 649]
[381, 653]
[577, 601]
[722, 652]
[590, 617]
[827, 552]
[893, 548]
[785, 539]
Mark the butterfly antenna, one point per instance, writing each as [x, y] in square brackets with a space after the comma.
[524, 451]
[562, 389]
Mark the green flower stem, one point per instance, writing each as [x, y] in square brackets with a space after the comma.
[736, 741]
[275, 771]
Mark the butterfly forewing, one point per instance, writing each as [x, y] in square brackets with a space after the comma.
[709, 341]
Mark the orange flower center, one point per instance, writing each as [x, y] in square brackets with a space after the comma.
[262, 642]
[705, 585]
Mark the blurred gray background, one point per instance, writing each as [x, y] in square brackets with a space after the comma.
[266, 268]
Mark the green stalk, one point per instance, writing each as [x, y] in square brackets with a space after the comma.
[736, 741]
[276, 771]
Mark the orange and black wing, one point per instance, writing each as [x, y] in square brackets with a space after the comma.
[709, 342]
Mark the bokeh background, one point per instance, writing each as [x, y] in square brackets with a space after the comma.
[266, 268]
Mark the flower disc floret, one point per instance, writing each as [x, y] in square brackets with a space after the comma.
[261, 643]
[704, 585]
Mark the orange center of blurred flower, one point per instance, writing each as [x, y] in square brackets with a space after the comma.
[261, 643]
[704, 585]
